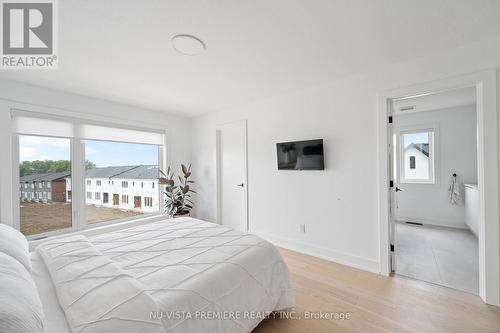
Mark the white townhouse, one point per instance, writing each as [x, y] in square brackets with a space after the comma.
[133, 188]
[416, 161]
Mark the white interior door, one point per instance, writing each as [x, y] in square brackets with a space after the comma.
[232, 151]
[393, 189]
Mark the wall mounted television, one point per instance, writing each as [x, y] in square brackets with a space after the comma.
[301, 155]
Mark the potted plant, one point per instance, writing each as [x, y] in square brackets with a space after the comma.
[178, 201]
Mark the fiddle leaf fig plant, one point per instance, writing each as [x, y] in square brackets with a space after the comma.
[178, 200]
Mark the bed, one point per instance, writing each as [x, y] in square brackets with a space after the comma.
[175, 275]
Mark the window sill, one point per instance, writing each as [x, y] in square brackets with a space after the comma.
[34, 240]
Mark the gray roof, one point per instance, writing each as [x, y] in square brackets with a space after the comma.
[125, 172]
[421, 147]
[140, 172]
[46, 177]
[30, 178]
[107, 172]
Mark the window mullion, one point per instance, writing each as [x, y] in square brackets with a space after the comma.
[78, 183]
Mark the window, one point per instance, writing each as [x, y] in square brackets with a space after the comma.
[417, 156]
[127, 163]
[102, 153]
[153, 185]
[38, 156]
[148, 202]
[412, 162]
[142, 184]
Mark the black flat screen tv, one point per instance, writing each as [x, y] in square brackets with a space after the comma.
[301, 155]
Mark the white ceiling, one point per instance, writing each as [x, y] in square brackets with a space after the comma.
[437, 101]
[121, 50]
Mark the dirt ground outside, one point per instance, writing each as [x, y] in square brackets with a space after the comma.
[39, 217]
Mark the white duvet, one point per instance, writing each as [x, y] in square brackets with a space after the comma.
[187, 275]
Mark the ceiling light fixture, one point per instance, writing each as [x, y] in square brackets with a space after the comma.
[188, 44]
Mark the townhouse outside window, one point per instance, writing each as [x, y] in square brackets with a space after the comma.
[123, 164]
[44, 209]
[49, 190]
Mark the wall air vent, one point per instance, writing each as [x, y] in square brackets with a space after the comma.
[408, 108]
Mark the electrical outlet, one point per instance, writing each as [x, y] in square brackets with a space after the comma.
[303, 228]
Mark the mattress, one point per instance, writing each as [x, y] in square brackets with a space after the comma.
[200, 276]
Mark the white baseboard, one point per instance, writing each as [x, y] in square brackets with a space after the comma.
[323, 253]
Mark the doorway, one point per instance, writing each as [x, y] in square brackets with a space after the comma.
[434, 163]
[116, 199]
[137, 201]
[232, 175]
[485, 83]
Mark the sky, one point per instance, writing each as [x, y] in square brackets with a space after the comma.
[101, 153]
[410, 138]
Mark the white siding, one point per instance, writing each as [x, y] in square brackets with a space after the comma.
[421, 170]
[143, 188]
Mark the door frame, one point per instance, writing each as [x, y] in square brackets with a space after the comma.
[485, 83]
[244, 133]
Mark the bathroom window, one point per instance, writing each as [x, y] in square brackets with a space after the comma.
[417, 156]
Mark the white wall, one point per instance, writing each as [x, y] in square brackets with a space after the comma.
[178, 129]
[456, 152]
[339, 205]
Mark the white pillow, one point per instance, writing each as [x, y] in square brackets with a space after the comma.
[14, 244]
[20, 307]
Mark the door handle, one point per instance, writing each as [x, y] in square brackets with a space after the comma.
[241, 185]
[397, 189]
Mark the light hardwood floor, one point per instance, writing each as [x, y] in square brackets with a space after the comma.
[377, 303]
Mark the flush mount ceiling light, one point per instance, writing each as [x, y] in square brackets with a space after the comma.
[188, 44]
